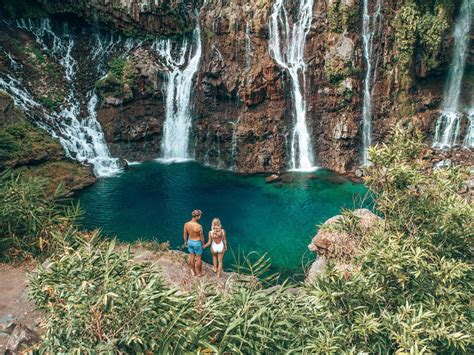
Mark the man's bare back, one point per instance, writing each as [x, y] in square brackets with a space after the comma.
[193, 230]
[193, 238]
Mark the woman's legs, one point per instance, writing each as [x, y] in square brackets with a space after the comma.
[214, 260]
[220, 256]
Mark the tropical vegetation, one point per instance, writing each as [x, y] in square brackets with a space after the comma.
[410, 290]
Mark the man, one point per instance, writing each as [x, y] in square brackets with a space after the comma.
[194, 240]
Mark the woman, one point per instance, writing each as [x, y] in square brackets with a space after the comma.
[218, 240]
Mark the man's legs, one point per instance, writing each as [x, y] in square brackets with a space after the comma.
[192, 262]
[199, 265]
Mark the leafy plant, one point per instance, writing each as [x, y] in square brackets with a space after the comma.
[30, 221]
[119, 306]
[410, 289]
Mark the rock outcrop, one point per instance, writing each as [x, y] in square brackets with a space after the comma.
[137, 17]
[332, 242]
[31, 151]
[242, 106]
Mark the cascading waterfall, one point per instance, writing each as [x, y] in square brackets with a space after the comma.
[235, 126]
[218, 147]
[178, 118]
[287, 48]
[448, 125]
[248, 48]
[469, 139]
[23, 99]
[82, 139]
[370, 28]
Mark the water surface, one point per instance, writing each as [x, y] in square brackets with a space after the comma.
[153, 200]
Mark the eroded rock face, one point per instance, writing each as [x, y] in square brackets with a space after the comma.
[331, 243]
[162, 17]
[33, 152]
[241, 105]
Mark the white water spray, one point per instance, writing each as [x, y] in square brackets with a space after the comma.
[449, 122]
[248, 48]
[82, 139]
[469, 139]
[178, 118]
[287, 48]
[371, 26]
[235, 126]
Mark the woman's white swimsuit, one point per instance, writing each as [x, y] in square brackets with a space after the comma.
[217, 247]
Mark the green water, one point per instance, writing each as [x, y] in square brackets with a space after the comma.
[153, 200]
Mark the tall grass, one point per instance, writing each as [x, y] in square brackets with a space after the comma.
[32, 223]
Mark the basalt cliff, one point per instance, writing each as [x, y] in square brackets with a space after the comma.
[224, 82]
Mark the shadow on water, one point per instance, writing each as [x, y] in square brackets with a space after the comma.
[153, 200]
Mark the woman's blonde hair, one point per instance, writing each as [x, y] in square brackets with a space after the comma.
[216, 222]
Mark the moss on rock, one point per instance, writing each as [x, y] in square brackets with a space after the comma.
[24, 147]
[120, 80]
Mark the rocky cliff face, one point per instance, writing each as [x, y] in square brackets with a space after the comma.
[242, 106]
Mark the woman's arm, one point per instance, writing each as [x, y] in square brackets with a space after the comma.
[208, 241]
[224, 237]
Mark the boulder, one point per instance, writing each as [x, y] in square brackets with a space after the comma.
[21, 338]
[339, 246]
[272, 178]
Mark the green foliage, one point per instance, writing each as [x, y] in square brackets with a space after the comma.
[30, 221]
[343, 17]
[121, 72]
[116, 67]
[118, 306]
[405, 25]
[19, 140]
[336, 69]
[50, 103]
[410, 290]
[431, 29]
[419, 29]
[39, 56]
[14, 141]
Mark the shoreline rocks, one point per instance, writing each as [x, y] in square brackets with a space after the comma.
[333, 243]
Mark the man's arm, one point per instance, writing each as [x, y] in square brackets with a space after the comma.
[185, 235]
[208, 241]
[202, 235]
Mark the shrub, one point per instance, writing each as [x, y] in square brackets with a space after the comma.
[343, 17]
[121, 72]
[413, 287]
[96, 300]
[30, 221]
[410, 290]
[21, 142]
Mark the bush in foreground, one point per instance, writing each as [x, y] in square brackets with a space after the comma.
[410, 291]
[31, 222]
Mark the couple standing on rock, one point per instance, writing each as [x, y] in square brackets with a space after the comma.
[194, 240]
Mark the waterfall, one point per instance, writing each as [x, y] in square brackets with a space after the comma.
[370, 28]
[29, 105]
[82, 139]
[469, 139]
[248, 48]
[449, 121]
[218, 147]
[287, 48]
[235, 126]
[178, 118]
